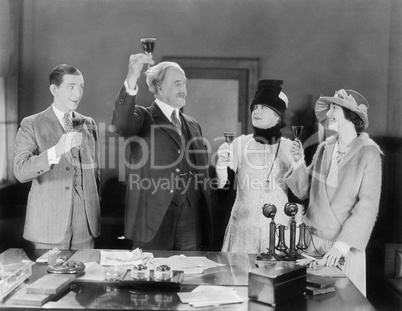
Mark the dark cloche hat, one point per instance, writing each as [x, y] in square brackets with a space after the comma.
[269, 93]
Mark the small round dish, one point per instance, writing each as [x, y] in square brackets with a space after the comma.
[67, 267]
[163, 272]
[140, 272]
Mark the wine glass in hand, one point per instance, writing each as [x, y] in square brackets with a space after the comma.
[297, 131]
[77, 126]
[229, 136]
[148, 45]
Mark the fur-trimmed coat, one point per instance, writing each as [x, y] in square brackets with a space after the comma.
[348, 211]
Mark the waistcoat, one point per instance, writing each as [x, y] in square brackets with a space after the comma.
[187, 174]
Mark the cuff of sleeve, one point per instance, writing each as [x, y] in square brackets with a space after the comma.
[294, 167]
[222, 175]
[298, 163]
[130, 92]
[51, 155]
[342, 247]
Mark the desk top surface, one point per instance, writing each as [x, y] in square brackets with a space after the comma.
[109, 296]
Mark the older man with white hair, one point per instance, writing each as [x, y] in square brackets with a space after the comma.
[168, 202]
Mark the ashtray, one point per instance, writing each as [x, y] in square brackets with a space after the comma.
[68, 267]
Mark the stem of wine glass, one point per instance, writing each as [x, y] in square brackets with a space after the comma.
[149, 65]
[297, 131]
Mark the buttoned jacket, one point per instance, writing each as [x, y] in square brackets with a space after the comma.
[154, 150]
[50, 198]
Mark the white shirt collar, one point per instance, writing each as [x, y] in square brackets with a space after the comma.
[60, 114]
[167, 109]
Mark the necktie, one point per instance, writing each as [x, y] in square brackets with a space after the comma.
[176, 122]
[68, 124]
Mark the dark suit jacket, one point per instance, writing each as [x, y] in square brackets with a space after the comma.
[50, 198]
[154, 151]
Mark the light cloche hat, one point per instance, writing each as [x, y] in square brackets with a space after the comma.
[349, 99]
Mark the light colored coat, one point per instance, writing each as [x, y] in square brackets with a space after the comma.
[50, 197]
[347, 212]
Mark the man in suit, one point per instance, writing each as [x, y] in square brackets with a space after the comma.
[57, 149]
[168, 204]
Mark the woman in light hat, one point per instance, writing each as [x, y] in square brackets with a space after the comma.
[260, 161]
[343, 184]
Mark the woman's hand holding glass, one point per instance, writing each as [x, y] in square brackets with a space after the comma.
[297, 150]
[225, 159]
[224, 156]
[297, 146]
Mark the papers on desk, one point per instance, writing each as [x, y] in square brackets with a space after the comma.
[204, 296]
[327, 271]
[189, 265]
[320, 269]
[62, 256]
[119, 258]
[125, 260]
[94, 272]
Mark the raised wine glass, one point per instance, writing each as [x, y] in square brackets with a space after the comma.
[297, 131]
[148, 45]
[229, 136]
[77, 126]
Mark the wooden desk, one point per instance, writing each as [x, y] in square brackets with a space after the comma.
[109, 296]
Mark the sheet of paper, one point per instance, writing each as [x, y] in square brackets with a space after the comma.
[93, 272]
[86, 255]
[61, 257]
[116, 258]
[326, 271]
[209, 296]
[189, 265]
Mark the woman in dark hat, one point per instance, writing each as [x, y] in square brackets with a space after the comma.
[343, 184]
[260, 161]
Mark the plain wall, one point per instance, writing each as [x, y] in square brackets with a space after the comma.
[315, 46]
